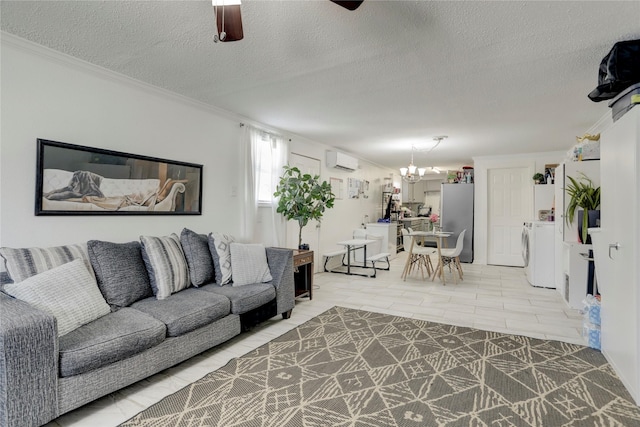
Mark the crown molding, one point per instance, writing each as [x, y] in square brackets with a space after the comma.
[52, 55]
[604, 123]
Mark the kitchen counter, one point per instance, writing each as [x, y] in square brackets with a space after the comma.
[414, 220]
[418, 223]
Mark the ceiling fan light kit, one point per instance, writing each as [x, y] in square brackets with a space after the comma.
[228, 20]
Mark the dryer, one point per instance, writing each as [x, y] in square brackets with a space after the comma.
[538, 253]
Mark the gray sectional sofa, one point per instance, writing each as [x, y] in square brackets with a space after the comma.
[44, 375]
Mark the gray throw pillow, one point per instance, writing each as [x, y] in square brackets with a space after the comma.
[120, 271]
[196, 251]
[166, 265]
[220, 247]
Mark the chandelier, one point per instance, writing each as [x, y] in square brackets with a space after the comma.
[409, 173]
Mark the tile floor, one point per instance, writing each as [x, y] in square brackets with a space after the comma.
[490, 297]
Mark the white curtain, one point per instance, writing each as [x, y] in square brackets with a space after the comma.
[263, 155]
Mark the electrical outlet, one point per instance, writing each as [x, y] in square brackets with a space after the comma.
[234, 191]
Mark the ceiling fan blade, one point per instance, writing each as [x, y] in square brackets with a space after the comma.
[229, 21]
[351, 5]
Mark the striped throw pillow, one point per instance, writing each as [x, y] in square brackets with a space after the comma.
[166, 265]
[27, 262]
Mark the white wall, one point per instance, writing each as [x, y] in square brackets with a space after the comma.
[45, 95]
[49, 95]
[534, 162]
[347, 214]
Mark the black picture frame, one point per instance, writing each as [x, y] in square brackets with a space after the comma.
[78, 180]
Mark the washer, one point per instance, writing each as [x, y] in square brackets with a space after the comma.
[538, 253]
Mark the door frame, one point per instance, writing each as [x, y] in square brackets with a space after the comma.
[481, 200]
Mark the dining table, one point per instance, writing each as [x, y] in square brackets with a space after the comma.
[351, 245]
[436, 236]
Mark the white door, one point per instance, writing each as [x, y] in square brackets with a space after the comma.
[509, 205]
[619, 210]
[311, 232]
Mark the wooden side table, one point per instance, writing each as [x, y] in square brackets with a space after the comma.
[303, 273]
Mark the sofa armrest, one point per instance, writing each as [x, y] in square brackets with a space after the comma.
[167, 202]
[28, 364]
[281, 266]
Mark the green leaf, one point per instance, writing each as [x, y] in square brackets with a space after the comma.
[301, 197]
[582, 194]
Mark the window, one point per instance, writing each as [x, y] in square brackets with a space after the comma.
[269, 152]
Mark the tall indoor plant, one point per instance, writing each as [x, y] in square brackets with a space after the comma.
[582, 194]
[302, 197]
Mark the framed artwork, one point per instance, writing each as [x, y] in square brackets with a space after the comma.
[78, 180]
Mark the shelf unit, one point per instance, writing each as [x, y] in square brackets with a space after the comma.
[385, 200]
[395, 215]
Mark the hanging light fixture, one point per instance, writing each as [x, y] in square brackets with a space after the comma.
[228, 20]
[409, 173]
[438, 140]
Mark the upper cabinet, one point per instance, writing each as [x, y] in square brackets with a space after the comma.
[416, 193]
[433, 185]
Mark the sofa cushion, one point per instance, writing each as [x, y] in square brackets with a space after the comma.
[26, 262]
[219, 245]
[196, 251]
[67, 292]
[166, 264]
[186, 310]
[249, 264]
[120, 272]
[108, 339]
[244, 298]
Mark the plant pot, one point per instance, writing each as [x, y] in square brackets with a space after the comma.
[593, 221]
[304, 246]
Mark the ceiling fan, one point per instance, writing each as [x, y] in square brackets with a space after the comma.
[229, 19]
[351, 5]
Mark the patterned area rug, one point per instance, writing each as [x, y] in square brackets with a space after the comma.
[349, 367]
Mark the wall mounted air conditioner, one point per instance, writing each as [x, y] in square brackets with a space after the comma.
[341, 161]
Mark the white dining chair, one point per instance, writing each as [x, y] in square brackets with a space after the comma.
[419, 256]
[452, 256]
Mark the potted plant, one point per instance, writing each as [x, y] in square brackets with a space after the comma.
[538, 177]
[433, 219]
[302, 197]
[582, 194]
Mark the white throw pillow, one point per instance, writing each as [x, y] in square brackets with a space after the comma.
[219, 245]
[166, 264]
[249, 264]
[68, 292]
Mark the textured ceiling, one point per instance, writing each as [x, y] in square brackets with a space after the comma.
[499, 77]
